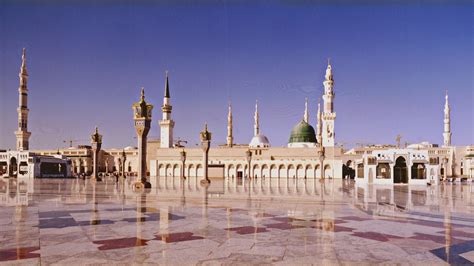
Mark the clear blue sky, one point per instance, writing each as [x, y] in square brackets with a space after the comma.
[87, 62]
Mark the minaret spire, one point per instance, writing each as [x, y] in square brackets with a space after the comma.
[306, 113]
[256, 125]
[447, 122]
[142, 94]
[166, 124]
[22, 134]
[167, 86]
[230, 138]
[23, 63]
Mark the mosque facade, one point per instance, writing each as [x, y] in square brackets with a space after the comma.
[310, 153]
[304, 156]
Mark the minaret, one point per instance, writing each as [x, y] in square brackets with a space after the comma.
[258, 140]
[319, 136]
[256, 126]
[230, 138]
[306, 115]
[22, 134]
[166, 124]
[329, 116]
[447, 122]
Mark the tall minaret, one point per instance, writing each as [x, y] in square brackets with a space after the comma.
[447, 122]
[319, 137]
[256, 126]
[230, 138]
[329, 116]
[166, 124]
[22, 134]
[306, 115]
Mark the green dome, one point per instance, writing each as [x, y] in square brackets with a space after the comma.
[302, 132]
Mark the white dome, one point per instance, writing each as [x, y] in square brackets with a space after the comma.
[129, 148]
[301, 145]
[422, 145]
[259, 141]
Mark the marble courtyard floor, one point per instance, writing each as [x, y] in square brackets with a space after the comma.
[270, 221]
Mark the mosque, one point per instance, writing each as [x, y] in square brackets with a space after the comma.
[310, 153]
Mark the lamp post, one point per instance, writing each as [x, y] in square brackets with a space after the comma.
[96, 141]
[183, 161]
[248, 155]
[183, 177]
[321, 160]
[123, 157]
[445, 173]
[142, 118]
[205, 137]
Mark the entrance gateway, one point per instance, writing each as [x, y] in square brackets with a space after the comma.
[400, 173]
[13, 171]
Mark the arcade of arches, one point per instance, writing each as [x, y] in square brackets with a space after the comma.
[257, 170]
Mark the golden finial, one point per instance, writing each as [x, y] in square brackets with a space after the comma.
[142, 94]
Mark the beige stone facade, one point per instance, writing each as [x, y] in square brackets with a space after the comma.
[271, 162]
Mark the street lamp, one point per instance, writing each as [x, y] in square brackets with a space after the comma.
[445, 174]
[123, 157]
[183, 161]
[248, 155]
[321, 160]
[96, 141]
[205, 137]
[142, 118]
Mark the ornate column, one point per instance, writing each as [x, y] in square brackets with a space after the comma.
[248, 155]
[142, 117]
[183, 162]
[123, 158]
[445, 172]
[96, 141]
[321, 160]
[81, 164]
[205, 137]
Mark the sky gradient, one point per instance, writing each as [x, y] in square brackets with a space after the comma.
[86, 62]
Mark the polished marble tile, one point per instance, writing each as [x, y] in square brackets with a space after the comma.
[120, 243]
[454, 254]
[18, 253]
[178, 237]
[259, 222]
[244, 230]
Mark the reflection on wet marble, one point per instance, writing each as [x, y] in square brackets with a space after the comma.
[234, 221]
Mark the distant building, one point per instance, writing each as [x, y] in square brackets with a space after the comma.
[394, 166]
[29, 164]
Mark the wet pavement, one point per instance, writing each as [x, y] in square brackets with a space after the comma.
[235, 221]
